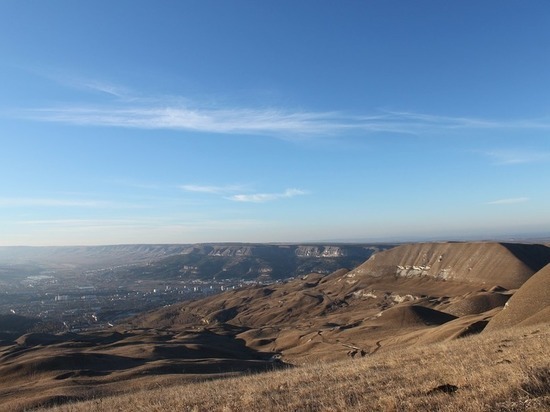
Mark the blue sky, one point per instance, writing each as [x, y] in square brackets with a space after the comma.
[272, 121]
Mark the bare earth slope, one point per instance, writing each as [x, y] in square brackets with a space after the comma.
[506, 371]
[42, 369]
[413, 293]
[510, 265]
[408, 296]
[529, 305]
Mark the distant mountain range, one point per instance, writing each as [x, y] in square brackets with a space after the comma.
[196, 261]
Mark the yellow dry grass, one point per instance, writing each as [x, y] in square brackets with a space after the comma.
[501, 371]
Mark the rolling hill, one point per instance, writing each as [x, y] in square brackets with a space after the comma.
[398, 300]
[529, 305]
[396, 297]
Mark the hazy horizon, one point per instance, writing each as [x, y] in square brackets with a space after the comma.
[502, 237]
[278, 122]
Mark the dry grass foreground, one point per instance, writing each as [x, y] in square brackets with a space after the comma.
[506, 370]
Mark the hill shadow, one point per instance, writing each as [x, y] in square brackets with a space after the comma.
[534, 256]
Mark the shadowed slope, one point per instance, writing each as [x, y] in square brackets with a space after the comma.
[413, 315]
[477, 303]
[506, 371]
[534, 256]
[11, 326]
[40, 369]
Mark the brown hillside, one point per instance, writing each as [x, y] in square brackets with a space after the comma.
[413, 315]
[477, 303]
[506, 371]
[508, 265]
[391, 294]
[40, 368]
[529, 305]
[412, 295]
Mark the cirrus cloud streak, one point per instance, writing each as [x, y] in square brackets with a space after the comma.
[509, 201]
[267, 197]
[284, 123]
[211, 189]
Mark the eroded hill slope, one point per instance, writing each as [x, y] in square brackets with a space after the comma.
[408, 296]
[411, 293]
[529, 305]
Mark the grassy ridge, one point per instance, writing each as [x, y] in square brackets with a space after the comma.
[500, 371]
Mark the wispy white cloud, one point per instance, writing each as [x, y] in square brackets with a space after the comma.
[143, 225]
[212, 189]
[267, 197]
[509, 201]
[14, 202]
[518, 156]
[51, 202]
[172, 114]
[224, 121]
[67, 78]
[232, 193]
[103, 87]
[414, 119]
[79, 222]
[131, 109]
[462, 122]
